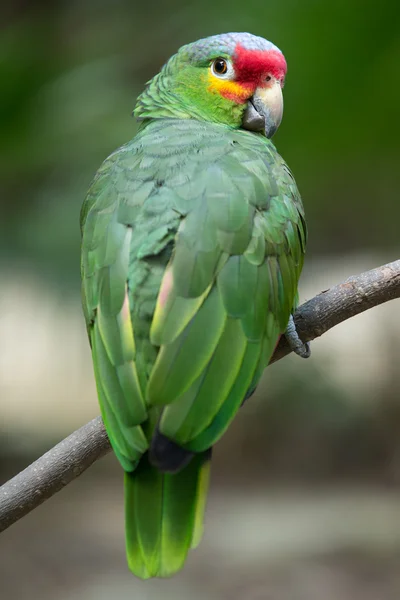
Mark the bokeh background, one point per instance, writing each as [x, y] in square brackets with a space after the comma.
[305, 500]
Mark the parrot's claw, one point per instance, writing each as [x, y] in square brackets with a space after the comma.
[300, 348]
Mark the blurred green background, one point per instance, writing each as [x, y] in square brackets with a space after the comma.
[305, 500]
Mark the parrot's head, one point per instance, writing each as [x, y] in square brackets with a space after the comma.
[232, 78]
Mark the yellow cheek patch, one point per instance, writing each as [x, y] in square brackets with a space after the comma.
[232, 90]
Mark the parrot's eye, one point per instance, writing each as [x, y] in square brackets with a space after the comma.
[268, 78]
[222, 68]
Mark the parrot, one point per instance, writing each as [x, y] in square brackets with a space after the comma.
[193, 237]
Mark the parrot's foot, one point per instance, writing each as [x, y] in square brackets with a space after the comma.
[300, 348]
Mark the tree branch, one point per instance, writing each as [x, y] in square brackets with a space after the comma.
[52, 471]
[348, 299]
[68, 459]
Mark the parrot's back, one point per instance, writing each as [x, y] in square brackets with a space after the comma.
[192, 245]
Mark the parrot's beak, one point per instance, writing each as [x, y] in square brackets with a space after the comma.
[264, 110]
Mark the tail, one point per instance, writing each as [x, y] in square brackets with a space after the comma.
[164, 515]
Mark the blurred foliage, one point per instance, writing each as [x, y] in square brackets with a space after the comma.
[70, 72]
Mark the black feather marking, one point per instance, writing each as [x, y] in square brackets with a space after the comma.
[166, 455]
[207, 454]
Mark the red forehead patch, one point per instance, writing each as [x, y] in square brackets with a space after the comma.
[250, 65]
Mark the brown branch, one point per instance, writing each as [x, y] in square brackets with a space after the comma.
[52, 471]
[348, 299]
[66, 461]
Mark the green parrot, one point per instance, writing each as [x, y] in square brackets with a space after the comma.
[193, 237]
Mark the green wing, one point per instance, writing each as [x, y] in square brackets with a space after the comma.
[227, 292]
[106, 245]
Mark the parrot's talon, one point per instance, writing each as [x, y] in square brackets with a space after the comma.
[300, 348]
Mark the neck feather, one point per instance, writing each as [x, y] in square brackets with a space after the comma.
[180, 91]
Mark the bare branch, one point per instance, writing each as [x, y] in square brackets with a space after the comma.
[52, 471]
[68, 459]
[352, 297]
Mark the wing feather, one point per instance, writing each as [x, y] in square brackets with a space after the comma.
[192, 253]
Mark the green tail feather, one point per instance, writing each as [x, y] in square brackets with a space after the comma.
[164, 516]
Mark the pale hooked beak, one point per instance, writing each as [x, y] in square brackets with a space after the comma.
[264, 110]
